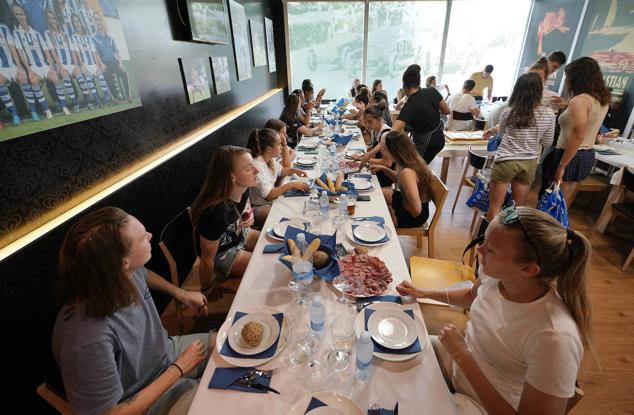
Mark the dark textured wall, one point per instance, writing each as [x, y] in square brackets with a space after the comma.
[39, 171]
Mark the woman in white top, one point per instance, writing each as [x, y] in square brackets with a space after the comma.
[266, 147]
[530, 318]
[524, 126]
[463, 108]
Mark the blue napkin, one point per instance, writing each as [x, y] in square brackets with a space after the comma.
[380, 223]
[413, 348]
[224, 377]
[328, 242]
[273, 248]
[228, 351]
[342, 139]
[351, 189]
[314, 404]
[383, 298]
[270, 232]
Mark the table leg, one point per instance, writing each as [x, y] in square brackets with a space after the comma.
[444, 170]
[617, 194]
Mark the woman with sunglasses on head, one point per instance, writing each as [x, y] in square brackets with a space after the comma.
[221, 215]
[113, 353]
[409, 204]
[265, 146]
[526, 126]
[530, 318]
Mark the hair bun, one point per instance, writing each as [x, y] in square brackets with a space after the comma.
[414, 68]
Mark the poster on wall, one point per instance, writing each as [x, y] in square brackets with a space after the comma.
[77, 59]
[208, 21]
[607, 35]
[258, 43]
[270, 43]
[240, 40]
[221, 74]
[551, 28]
[197, 78]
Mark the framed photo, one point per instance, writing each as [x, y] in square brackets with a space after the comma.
[208, 21]
[221, 74]
[270, 43]
[240, 40]
[258, 43]
[197, 78]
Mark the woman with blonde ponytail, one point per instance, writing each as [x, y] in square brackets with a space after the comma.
[530, 318]
[266, 147]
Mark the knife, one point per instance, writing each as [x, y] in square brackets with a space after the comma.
[265, 388]
[396, 409]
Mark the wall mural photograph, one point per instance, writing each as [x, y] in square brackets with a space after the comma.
[208, 21]
[221, 74]
[197, 79]
[240, 40]
[270, 44]
[61, 62]
[258, 43]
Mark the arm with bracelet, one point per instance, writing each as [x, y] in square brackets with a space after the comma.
[457, 297]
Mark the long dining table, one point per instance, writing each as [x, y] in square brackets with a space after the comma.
[416, 384]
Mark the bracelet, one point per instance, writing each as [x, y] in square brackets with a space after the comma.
[179, 368]
[447, 294]
[562, 164]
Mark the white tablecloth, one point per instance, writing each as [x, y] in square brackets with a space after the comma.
[417, 384]
[625, 157]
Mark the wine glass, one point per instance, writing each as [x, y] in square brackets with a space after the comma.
[308, 343]
[342, 285]
[342, 332]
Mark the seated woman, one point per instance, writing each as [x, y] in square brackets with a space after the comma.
[305, 110]
[381, 97]
[431, 82]
[112, 351]
[309, 94]
[463, 108]
[409, 205]
[374, 124]
[295, 129]
[530, 318]
[265, 146]
[222, 216]
[288, 154]
[377, 85]
[360, 102]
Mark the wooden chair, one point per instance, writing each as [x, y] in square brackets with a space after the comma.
[439, 194]
[438, 274]
[595, 182]
[54, 398]
[478, 162]
[572, 402]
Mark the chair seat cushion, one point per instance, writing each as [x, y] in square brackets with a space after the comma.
[626, 209]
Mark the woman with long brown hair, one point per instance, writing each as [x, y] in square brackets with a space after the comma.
[112, 351]
[377, 128]
[222, 216]
[409, 204]
[580, 122]
[295, 129]
[288, 154]
[530, 318]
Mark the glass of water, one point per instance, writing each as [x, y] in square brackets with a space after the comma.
[342, 336]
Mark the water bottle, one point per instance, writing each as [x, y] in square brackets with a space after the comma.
[302, 269]
[317, 317]
[343, 205]
[324, 205]
[334, 163]
[364, 352]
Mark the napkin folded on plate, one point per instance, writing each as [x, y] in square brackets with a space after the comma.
[270, 233]
[226, 349]
[327, 245]
[314, 404]
[379, 221]
[225, 378]
[342, 139]
[413, 348]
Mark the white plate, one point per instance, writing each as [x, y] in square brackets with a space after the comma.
[350, 153]
[369, 232]
[393, 329]
[271, 332]
[337, 403]
[296, 222]
[368, 244]
[309, 144]
[279, 229]
[359, 327]
[361, 184]
[306, 161]
[223, 334]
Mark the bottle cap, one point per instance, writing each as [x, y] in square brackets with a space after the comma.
[301, 237]
[365, 336]
[323, 192]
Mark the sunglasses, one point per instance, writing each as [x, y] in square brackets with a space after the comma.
[510, 216]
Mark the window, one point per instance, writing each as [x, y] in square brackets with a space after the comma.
[326, 44]
[481, 33]
[402, 33]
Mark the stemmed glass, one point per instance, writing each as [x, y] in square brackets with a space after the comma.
[342, 285]
[342, 332]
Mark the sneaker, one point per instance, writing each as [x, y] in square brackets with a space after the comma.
[66, 111]
[34, 116]
[16, 120]
[48, 113]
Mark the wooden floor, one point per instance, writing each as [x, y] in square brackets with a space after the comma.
[609, 389]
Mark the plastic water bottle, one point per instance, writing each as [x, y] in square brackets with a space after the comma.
[343, 205]
[334, 163]
[302, 269]
[317, 317]
[324, 205]
[364, 352]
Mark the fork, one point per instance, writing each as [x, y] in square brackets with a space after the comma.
[375, 409]
[267, 373]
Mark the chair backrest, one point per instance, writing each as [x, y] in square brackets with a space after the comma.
[628, 179]
[575, 398]
[477, 161]
[439, 194]
[53, 392]
[177, 244]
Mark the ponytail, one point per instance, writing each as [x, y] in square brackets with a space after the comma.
[260, 140]
[253, 143]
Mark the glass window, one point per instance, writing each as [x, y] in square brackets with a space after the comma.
[401, 33]
[485, 32]
[326, 42]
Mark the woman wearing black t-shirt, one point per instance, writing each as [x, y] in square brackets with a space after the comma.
[222, 216]
[294, 127]
[421, 115]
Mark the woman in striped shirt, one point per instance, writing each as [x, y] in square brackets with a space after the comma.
[524, 125]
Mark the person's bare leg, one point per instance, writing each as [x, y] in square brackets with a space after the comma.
[497, 193]
[240, 264]
[252, 239]
[520, 191]
[387, 194]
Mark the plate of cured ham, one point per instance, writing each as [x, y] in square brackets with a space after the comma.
[364, 275]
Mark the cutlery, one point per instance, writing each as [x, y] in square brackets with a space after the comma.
[250, 383]
[396, 409]
[375, 409]
[253, 373]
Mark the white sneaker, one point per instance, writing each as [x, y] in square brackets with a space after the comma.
[48, 113]
[66, 111]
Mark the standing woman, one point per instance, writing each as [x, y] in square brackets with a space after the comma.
[421, 115]
[524, 126]
[409, 204]
[265, 146]
[530, 319]
[294, 128]
[222, 216]
[580, 123]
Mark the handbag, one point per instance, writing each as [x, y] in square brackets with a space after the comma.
[494, 142]
[553, 203]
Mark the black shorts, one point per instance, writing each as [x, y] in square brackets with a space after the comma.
[404, 218]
